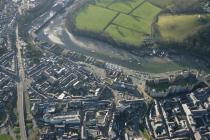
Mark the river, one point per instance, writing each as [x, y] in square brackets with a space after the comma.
[56, 32]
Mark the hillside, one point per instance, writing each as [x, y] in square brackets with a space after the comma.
[177, 28]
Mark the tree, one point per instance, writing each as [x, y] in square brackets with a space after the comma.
[34, 134]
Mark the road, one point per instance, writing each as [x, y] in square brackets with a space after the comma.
[147, 98]
[20, 89]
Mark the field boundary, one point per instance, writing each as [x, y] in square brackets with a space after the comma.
[111, 21]
[139, 5]
[111, 9]
[127, 28]
[113, 35]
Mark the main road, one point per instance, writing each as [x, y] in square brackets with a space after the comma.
[20, 89]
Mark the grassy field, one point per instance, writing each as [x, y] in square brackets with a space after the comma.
[125, 6]
[5, 137]
[146, 12]
[161, 3]
[134, 23]
[94, 18]
[124, 21]
[120, 34]
[179, 27]
[103, 3]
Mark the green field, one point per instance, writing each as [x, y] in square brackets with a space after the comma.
[121, 34]
[94, 18]
[146, 12]
[162, 3]
[103, 3]
[124, 21]
[125, 6]
[179, 27]
[5, 137]
[134, 23]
